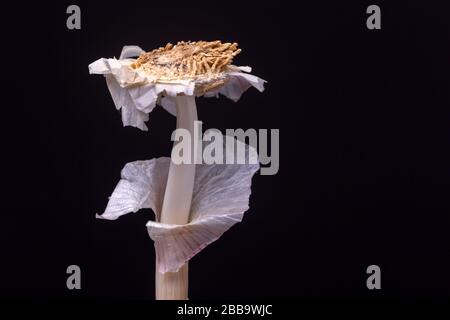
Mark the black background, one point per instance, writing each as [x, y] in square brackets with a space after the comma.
[364, 119]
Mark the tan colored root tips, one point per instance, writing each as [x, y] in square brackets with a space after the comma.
[187, 59]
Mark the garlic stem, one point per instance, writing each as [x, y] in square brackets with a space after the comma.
[177, 202]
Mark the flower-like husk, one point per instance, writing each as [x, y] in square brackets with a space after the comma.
[136, 91]
[220, 198]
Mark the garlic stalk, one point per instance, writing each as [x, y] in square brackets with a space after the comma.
[193, 204]
[177, 202]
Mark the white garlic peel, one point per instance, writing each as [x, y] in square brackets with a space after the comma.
[136, 94]
[220, 198]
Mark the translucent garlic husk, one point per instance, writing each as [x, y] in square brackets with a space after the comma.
[220, 198]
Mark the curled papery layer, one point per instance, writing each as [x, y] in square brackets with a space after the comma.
[136, 93]
[220, 198]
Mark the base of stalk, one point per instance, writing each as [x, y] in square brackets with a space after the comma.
[172, 285]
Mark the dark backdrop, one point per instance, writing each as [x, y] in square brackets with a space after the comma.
[364, 119]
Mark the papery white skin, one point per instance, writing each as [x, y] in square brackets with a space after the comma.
[137, 95]
[220, 198]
